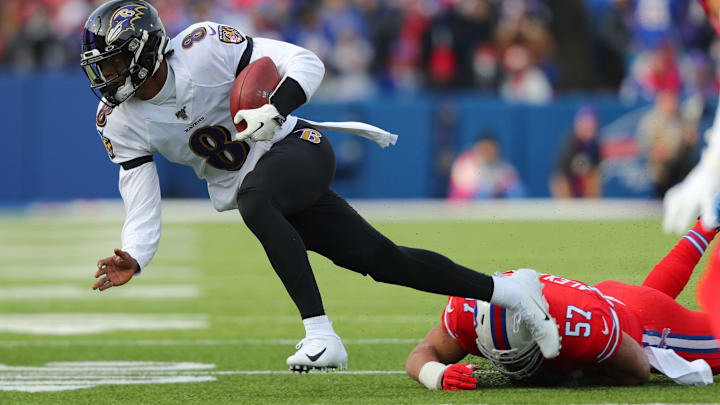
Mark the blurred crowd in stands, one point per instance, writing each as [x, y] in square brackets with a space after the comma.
[524, 50]
[663, 52]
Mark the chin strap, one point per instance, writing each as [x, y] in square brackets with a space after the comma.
[125, 91]
[128, 89]
[163, 49]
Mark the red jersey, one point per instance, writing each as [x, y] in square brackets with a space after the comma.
[589, 324]
[592, 319]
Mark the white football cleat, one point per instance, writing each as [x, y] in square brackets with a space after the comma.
[534, 313]
[324, 353]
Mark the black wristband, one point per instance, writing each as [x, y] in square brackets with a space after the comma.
[288, 96]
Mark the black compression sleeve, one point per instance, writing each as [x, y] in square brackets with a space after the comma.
[288, 96]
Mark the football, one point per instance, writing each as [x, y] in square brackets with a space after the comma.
[253, 87]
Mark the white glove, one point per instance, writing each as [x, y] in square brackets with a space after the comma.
[261, 123]
[687, 200]
[710, 213]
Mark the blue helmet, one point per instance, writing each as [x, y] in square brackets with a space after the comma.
[123, 45]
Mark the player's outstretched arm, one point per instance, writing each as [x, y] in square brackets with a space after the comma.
[117, 270]
[629, 366]
[140, 191]
[427, 363]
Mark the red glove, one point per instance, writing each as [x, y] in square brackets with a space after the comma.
[458, 377]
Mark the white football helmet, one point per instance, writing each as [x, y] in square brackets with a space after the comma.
[505, 341]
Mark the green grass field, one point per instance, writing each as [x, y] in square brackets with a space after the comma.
[215, 280]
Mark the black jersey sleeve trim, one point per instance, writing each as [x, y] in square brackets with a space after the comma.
[288, 96]
[245, 58]
[131, 164]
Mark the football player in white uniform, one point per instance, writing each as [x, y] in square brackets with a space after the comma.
[171, 96]
[697, 195]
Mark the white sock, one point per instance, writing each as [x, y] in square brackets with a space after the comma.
[506, 292]
[319, 326]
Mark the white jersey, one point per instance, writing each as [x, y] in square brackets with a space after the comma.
[189, 122]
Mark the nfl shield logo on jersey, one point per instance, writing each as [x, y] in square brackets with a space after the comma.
[181, 114]
[229, 35]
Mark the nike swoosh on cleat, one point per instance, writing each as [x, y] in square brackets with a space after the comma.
[316, 356]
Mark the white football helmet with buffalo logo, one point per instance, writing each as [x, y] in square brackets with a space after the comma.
[506, 342]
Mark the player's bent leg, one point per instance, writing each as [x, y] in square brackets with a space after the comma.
[285, 250]
[655, 319]
[288, 179]
[707, 291]
[335, 230]
[673, 272]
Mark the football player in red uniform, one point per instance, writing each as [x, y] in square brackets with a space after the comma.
[604, 329]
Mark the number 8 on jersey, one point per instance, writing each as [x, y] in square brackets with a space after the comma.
[215, 144]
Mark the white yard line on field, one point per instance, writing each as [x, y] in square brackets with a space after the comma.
[394, 319]
[82, 324]
[281, 372]
[200, 210]
[72, 292]
[344, 372]
[37, 252]
[93, 233]
[111, 367]
[64, 376]
[51, 244]
[85, 271]
[191, 342]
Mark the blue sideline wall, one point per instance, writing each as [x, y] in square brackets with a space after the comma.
[52, 151]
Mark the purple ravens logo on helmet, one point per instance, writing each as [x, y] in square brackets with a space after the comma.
[122, 20]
